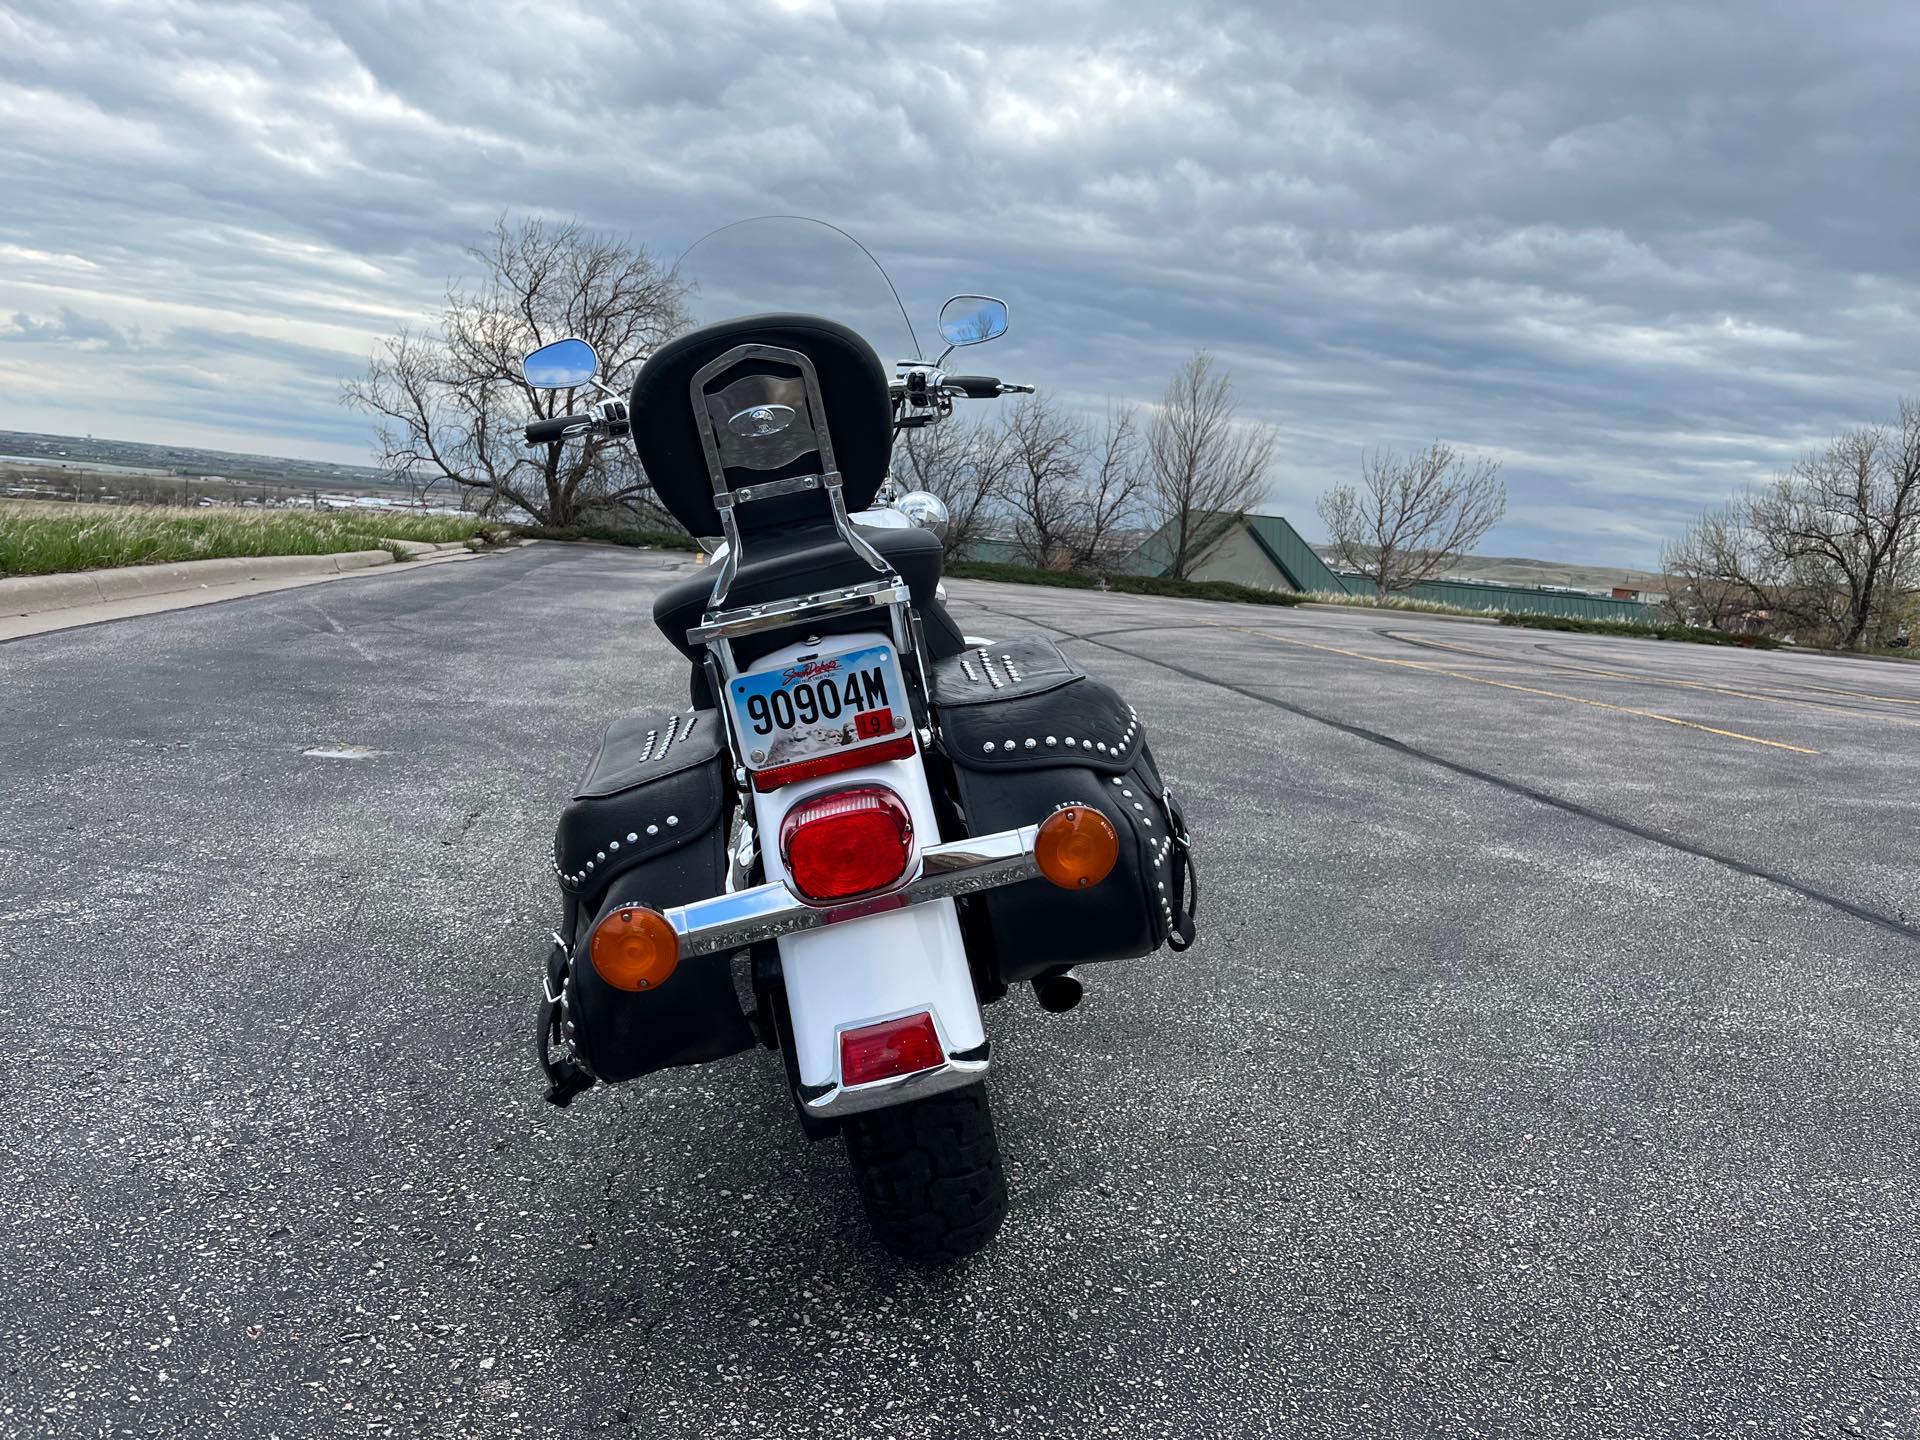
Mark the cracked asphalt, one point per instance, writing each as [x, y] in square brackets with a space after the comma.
[1548, 1064]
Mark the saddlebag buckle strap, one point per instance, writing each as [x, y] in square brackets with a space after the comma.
[566, 1077]
[1186, 881]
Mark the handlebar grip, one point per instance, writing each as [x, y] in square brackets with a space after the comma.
[545, 432]
[976, 387]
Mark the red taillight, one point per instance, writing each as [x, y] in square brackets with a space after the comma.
[893, 1047]
[833, 762]
[847, 843]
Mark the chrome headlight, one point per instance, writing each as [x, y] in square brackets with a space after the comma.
[925, 509]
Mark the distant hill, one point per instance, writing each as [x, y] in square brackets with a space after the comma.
[1518, 570]
[21, 449]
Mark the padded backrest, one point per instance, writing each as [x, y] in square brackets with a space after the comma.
[853, 390]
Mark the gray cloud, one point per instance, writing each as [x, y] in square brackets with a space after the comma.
[1648, 253]
[66, 326]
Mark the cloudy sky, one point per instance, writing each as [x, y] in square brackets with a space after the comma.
[1645, 253]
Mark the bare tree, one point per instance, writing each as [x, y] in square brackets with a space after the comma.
[968, 465]
[449, 403]
[1413, 518]
[1846, 523]
[1200, 460]
[1068, 491]
[1718, 574]
[1047, 448]
[1113, 477]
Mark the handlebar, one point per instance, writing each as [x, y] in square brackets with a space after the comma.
[602, 420]
[546, 432]
[985, 387]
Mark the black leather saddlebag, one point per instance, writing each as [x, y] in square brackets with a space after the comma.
[1027, 731]
[647, 826]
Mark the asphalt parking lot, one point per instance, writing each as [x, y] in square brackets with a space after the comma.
[1548, 1065]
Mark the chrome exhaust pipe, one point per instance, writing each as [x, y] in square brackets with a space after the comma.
[1058, 991]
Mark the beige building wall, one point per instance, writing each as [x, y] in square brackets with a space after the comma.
[1239, 558]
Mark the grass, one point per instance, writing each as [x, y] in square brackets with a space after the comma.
[1691, 634]
[1018, 574]
[1123, 584]
[50, 538]
[1394, 602]
[1201, 590]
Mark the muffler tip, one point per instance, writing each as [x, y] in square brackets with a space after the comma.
[1058, 991]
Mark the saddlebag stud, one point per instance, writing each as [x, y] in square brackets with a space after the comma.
[1106, 764]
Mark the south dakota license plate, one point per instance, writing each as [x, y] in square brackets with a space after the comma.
[807, 709]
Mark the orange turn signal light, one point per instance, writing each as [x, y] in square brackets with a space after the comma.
[635, 949]
[1076, 847]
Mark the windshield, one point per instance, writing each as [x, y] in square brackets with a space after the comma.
[792, 264]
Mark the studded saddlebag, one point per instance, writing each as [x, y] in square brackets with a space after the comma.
[1027, 731]
[647, 826]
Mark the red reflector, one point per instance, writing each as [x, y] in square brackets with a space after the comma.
[893, 1047]
[847, 842]
[900, 748]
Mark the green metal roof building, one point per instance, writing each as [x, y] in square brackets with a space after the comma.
[1265, 550]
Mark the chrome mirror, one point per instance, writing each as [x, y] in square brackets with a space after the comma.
[561, 365]
[971, 319]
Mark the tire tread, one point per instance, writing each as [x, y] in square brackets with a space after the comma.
[929, 1175]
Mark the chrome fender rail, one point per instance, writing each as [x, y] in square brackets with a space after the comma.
[959, 867]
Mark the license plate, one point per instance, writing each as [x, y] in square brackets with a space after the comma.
[812, 707]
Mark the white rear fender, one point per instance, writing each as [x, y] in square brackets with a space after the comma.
[878, 967]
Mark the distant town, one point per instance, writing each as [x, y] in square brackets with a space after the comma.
[80, 467]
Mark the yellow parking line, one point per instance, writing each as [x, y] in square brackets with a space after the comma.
[1568, 667]
[1530, 690]
[1856, 694]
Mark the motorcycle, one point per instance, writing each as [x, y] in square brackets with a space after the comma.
[867, 826]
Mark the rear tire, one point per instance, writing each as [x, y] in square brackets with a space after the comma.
[929, 1175]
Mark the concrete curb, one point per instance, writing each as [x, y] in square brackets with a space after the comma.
[37, 594]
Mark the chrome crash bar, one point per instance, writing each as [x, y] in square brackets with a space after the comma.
[731, 922]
